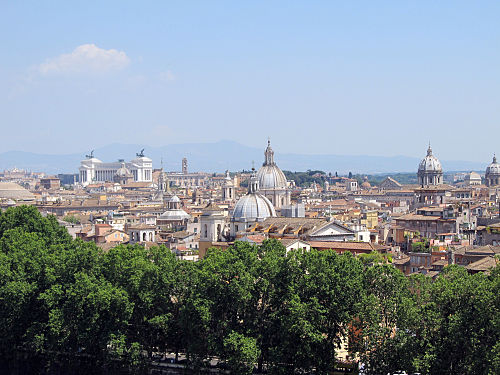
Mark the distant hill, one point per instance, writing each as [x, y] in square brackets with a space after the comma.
[222, 155]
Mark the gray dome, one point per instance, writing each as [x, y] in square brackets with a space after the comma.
[473, 176]
[173, 199]
[430, 163]
[253, 207]
[493, 168]
[174, 215]
[11, 190]
[269, 175]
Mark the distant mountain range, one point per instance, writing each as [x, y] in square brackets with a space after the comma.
[222, 155]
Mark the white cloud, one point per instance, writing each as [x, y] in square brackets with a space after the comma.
[87, 58]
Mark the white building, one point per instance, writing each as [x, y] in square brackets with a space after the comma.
[93, 170]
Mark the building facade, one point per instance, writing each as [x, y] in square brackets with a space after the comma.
[93, 170]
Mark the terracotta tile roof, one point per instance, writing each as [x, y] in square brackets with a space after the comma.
[483, 264]
[401, 261]
[141, 226]
[347, 246]
[415, 217]
[441, 262]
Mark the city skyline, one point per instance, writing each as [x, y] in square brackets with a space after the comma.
[229, 155]
[324, 78]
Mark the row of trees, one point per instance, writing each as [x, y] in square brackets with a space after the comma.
[65, 303]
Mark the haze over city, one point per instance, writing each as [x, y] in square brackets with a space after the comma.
[347, 78]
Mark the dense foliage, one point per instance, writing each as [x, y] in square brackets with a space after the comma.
[67, 305]
[306, 179]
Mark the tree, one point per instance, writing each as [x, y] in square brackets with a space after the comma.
[459, 331]
[385, 341]
[241, 353]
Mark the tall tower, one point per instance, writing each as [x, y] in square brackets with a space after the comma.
[228, 188]
[212, 227]
[184, 166]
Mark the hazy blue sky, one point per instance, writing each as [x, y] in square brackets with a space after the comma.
[350, 77]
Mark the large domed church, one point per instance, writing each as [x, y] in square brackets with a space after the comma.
[430, 171]
[492, 175]
[251, 208]
[272, 181]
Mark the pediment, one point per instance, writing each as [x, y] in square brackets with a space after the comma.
[331, 229]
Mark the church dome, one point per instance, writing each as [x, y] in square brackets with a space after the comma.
[366, 185]
[174, 199]
[473, 176]
[253, 206]
[174, 215]
[270, 175]
[430, 163]
[493, 168]
[123, 171]
[11, 190]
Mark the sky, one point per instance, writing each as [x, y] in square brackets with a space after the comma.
[317, 77]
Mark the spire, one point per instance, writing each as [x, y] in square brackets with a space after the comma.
[429, 150]
[269, 153]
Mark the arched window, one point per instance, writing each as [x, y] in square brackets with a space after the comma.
[205, 230]
[144, 236]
